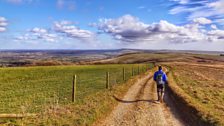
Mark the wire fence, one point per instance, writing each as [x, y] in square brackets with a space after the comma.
[30, 91]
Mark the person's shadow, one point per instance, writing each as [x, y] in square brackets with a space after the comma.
[129, 101]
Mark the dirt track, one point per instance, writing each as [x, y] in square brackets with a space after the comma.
[139, 108]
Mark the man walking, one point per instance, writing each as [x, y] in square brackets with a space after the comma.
[161, 79]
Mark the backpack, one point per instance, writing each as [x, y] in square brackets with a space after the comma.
[159, 79]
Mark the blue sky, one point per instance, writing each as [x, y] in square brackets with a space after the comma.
[111, 24]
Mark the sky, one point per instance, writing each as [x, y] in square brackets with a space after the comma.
[112, 24]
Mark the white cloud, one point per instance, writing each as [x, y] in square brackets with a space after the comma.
[184, 9]
[49, 37]
[130, 29]
[61, 30]
[24, 37]
[181, 1]
[65, 22]
[66, 27]
[178, 9]
[3, 24]
[202, 20]
[201, 13]
[2, 29]
[38, 30]
[219, 21]
[125, 27]
[41, 33]
[213, 26]
[216, 34]
[196, 9]
[38, 34]
[218, 6]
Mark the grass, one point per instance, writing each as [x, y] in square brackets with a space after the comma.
[204, 87]
[47, 90]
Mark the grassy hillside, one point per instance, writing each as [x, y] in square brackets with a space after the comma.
[162, 57]
[39, 89]
[204, 88]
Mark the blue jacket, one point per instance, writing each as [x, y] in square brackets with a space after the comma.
[164, 77]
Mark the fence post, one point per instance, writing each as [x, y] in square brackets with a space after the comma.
[154, 64]
[138, 69]
[107, 80]
[132, 73]
[74, 88]
[123, 74]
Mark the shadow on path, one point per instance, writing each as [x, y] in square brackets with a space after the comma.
[134, 101]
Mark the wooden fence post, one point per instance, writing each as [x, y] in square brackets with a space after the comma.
[138, 69]
[154, 64]
[107, 80]
[74, 88]
[123, 74]
[132, 73]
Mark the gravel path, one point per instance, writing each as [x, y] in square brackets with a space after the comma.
[139, 108]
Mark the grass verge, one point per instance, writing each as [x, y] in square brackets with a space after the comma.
[193, 112]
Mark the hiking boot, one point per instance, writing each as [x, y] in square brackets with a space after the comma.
[161, 100]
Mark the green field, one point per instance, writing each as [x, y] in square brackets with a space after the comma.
[31, 89]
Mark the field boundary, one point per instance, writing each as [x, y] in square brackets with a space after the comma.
[191, 112]
[90, 109]
[69, 89]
